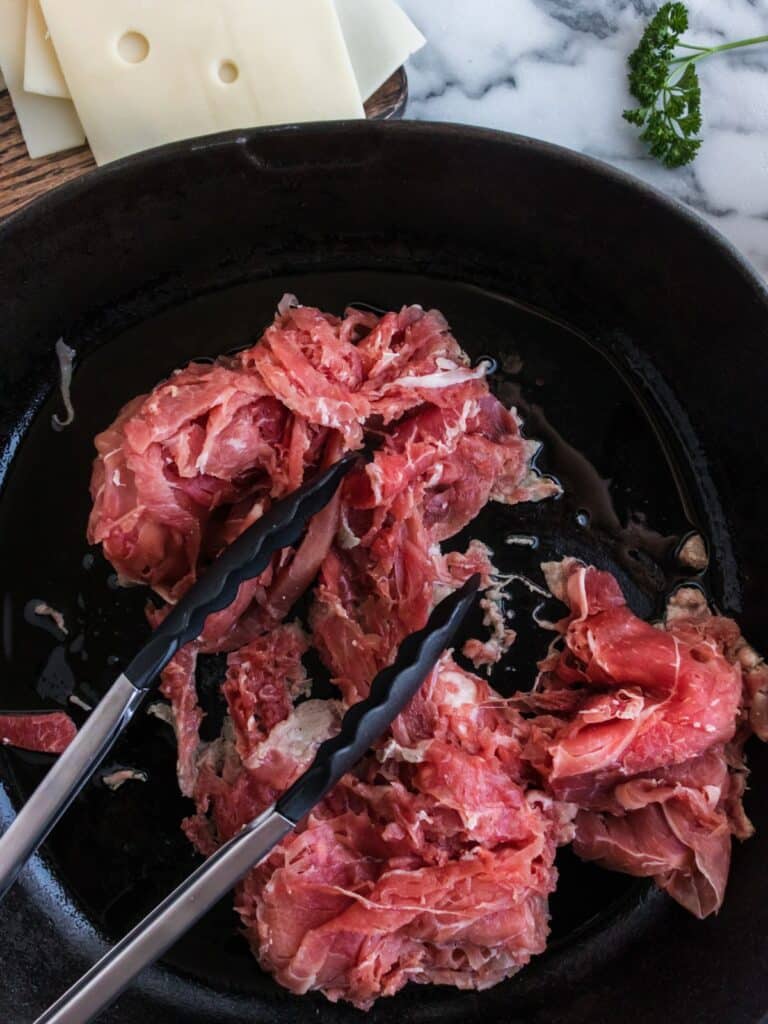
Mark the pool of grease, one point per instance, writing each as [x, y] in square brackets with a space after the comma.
[119, 852]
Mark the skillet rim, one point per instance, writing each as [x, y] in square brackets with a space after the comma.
[47, 204]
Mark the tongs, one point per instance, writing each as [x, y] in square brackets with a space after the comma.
[363, 723]
[361, 726]
[246, 558]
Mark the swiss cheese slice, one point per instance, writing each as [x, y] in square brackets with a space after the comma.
[380, 37]
[48, 125]
[141, 74]
[42, 71]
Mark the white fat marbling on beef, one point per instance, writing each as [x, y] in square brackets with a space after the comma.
[299, 735]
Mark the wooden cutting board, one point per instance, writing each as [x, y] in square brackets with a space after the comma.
[22, 179]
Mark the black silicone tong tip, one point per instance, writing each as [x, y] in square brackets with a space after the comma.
[390, 691]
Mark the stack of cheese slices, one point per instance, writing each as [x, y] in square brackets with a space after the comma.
[130, 74]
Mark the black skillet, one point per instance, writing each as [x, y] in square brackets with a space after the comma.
[631, 337]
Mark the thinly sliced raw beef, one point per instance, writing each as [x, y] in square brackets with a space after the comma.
[642, 727]
[431, 863]
[183, 470]
[431, 477]
[434, 860]
[263, 680]
[642, 697]
[266, 741]
[690, 616]
[673, 825]
[178, 685]
[48, 732]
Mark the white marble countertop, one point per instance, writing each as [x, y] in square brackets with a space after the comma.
[556, 70]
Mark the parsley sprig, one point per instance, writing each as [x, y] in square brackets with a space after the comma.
[666, 85]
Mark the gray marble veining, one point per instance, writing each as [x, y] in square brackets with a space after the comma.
[556, 70]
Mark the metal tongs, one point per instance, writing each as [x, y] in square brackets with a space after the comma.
[363, 723]
[247, 557]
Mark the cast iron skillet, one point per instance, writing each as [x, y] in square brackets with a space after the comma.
[629, 334]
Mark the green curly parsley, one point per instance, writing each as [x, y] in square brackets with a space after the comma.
[667, 87]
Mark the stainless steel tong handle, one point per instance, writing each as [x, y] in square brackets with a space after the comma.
[362, 724]
[162, 926]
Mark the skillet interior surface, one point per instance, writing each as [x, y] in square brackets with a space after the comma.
[641, 374]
